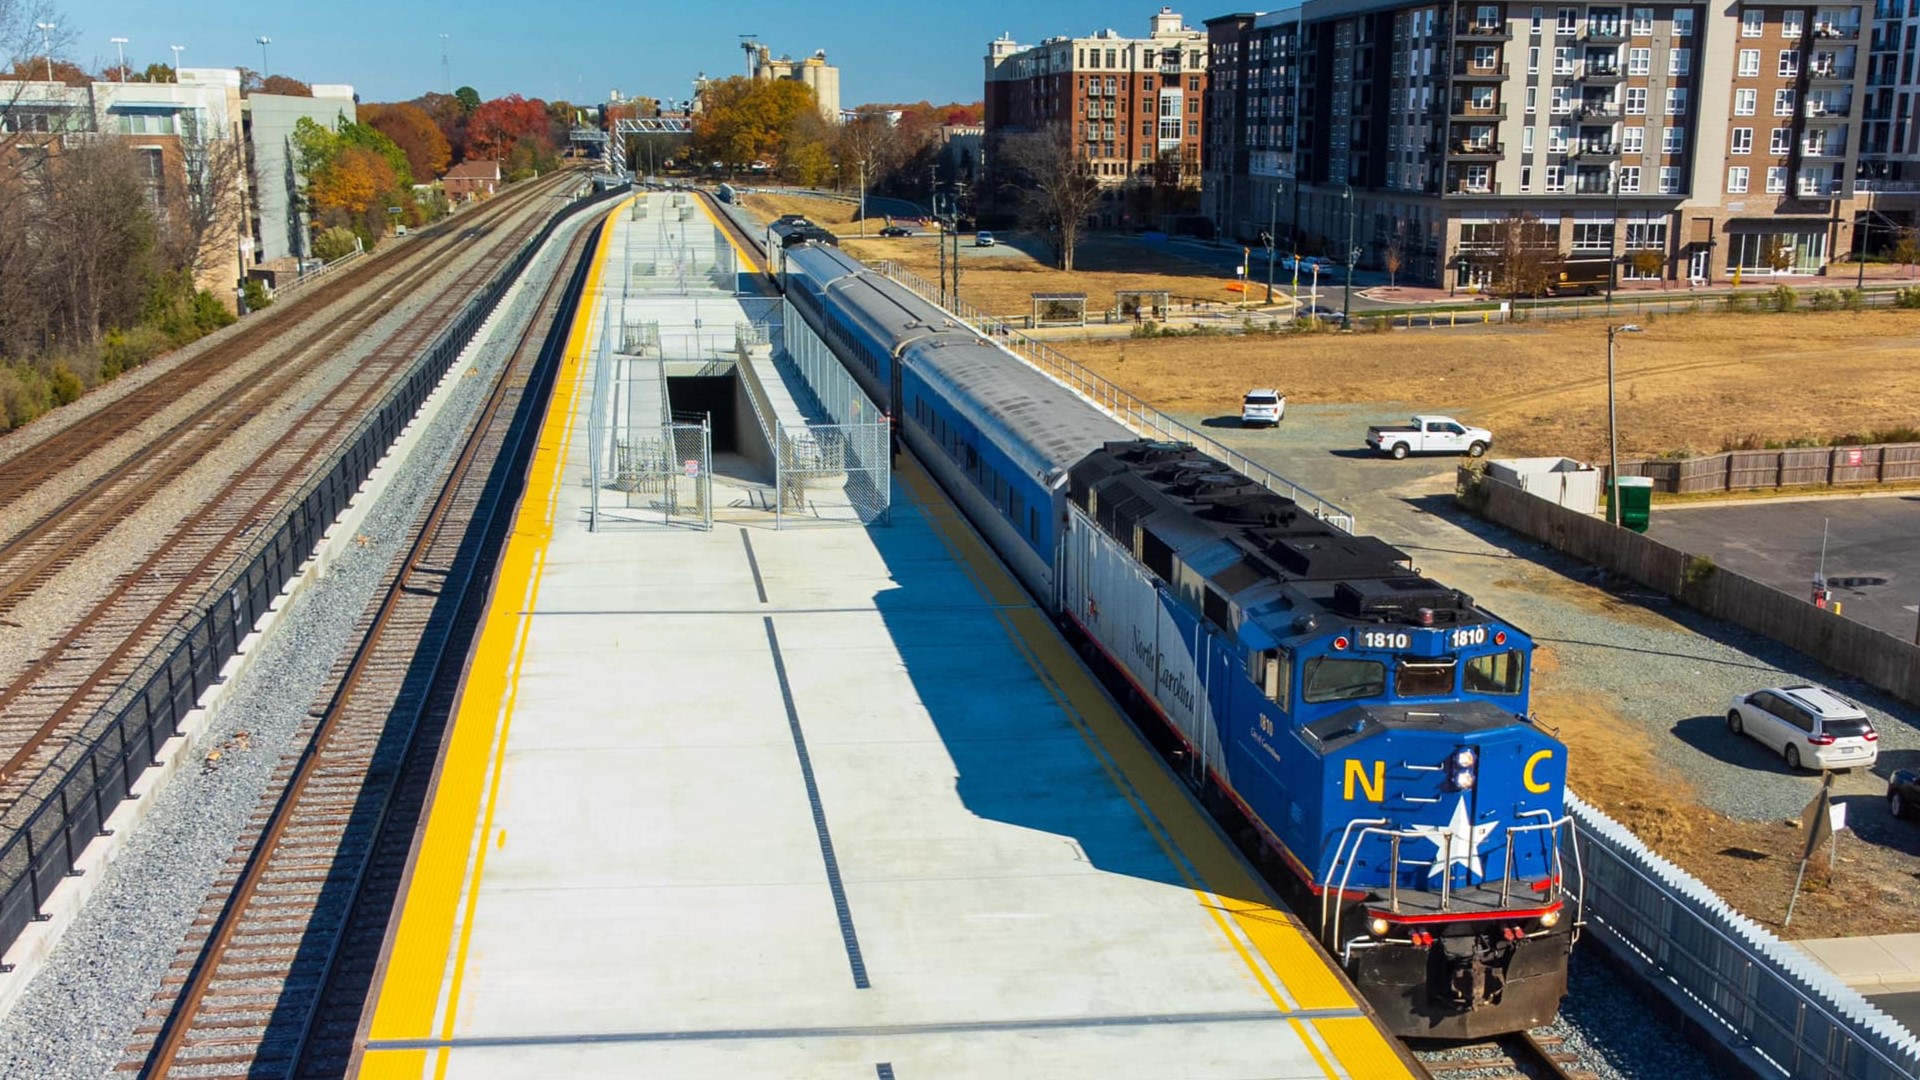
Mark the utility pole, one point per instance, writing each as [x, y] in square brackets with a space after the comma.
[446, 69]
[46, 36]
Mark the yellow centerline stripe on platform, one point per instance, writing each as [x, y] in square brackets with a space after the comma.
[1220, 881]
[409, 996]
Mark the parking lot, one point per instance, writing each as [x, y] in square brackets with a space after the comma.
[1872, 549]
[1638, 686]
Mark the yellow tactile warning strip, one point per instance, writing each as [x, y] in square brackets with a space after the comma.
[746, 256]
[421, 984]
[1280, 953]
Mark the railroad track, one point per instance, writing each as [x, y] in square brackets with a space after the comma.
[272, 977]
[47, 701]
[1524, 1055]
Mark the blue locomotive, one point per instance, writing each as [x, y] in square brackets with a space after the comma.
[1369, 724]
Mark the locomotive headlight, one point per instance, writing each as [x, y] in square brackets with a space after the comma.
[1463, 768]
[1463, 779]
[1550, 919]
[1464, 757]
[1379, 926]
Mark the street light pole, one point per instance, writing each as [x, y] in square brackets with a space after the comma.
[177, 50]
[120, 45]
[446, 69]
[1866, 222]
[1346, 305]
[46, 36]
[1613, 429]
[1613, 235]
[863, 197]
[264, 41]
[1273, 236]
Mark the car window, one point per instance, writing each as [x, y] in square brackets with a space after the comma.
[1433, 427]
[1793, 714]
[1762, 701]
[1456, 429]
[1845, 727]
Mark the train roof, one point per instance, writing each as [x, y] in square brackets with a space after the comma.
[1285, 569]
[1044, 425]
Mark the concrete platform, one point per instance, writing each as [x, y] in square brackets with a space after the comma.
[747, 802]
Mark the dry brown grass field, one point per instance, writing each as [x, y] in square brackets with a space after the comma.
[1687, 381]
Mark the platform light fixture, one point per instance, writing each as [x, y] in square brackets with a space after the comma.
[120, 44]
[177, 50]
[46, 37]
[264, 41]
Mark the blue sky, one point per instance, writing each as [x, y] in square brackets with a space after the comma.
[577, 50]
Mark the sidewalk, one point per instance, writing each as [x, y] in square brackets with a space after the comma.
[1842, 277]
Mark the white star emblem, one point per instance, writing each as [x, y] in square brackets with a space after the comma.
[1457, 842]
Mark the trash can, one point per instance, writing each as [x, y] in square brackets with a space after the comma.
[1636, 502]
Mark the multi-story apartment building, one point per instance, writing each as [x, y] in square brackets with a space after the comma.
[1724, 139]
[1125, 103]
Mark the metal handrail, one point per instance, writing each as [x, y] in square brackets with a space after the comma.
[1339, 850]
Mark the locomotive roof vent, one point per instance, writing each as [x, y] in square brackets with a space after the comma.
[1258, 508]
[1150, 451]
[1333, 557]
[1415, 600]
[1212, 487]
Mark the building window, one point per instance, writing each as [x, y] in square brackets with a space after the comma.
[1676, 101]
[1533, 98]
[1678, 61]
[1193, 83]
[1669, 179]
[1749, 62]
[1737, 180]
[1753, 22]
[1636, 101]
[1526, 140]
[1791, 22]
[1781, 142]
[1646, 235]
[1483, 99]
[1776, 180]
[1783, 101]
[1526, 178]
[1559, 102]
[1487, 17]
[1790, 63]
[1111, 62]
[1629, 179]
[1556, 178]
[1642, 22]
[1682, 22]
[1673, 141]
[1568, 23]
[1745, 101]
[1593, 236]
[1633, 140]
[1533, 59]
[1480, 178]
[1742, 141]
[1563, 60]
[1639, 61]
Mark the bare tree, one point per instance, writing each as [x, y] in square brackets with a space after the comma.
[1526, 255]
[1053, 186]
[96, 237]
[204, 213]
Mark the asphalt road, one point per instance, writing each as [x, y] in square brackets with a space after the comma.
[1872, 549]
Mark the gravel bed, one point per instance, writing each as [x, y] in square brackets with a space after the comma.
[78, 1016]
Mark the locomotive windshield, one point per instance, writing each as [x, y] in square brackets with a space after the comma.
[1423, 678]
[1496, 673]
[1332, 678]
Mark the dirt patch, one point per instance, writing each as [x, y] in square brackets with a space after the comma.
[1688, 381]
[1751, 864]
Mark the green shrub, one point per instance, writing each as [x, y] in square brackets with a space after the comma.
[1823, 300]
[64, 386]
[1907, 298]
[334, 243]
[256, 294]
[1852, 299]
[1735, 302]
[127, 349]
[1782, 298]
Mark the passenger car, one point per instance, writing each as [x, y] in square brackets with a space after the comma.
[896, 230]
[1809, 727]
[1262, 406]
[1307, 263]
[1903, 792]
[1321, 312]
[983, 238]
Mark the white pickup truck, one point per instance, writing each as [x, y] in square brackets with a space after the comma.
[1430, 435]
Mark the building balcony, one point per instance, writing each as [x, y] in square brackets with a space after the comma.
[1872, 185]
[1464, 186]
[1487, 148]
[1829, 73]
[1835, 31]
[1600, 111]
[1594, 151]
[1603, 74]
[1817, 189]
[1499, 31]
[1818, 113]
[1823, 151]
[1467, 110]
[1606, 34]
[1466, 69]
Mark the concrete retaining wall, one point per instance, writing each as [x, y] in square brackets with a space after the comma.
[1871, 655]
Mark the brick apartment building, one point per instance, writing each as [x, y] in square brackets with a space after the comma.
[1126, 102]
[1725, 139]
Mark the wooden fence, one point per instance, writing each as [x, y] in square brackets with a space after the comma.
[1874, 656]
[1745, 470]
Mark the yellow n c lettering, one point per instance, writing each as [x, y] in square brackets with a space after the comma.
[1526, 775]
[1374, 788]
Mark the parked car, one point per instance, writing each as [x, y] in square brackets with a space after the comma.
[1308, 263]
[983, 238]
[1430, 435]
[1262, 406]
[1903, 792]
[896, 230]
[1321, 312]
[1811, 728]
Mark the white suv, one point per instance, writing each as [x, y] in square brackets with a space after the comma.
[1262, 406]
[1810, 727]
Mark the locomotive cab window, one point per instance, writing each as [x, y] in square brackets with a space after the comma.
[1332, 678]
[1272, 671]
[1496, 673]
[1423, 678]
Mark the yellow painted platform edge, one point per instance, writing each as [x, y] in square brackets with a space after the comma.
[408, 995]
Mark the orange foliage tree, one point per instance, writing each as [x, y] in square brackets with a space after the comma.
[415, 133]
[497, 126]
[356, 182]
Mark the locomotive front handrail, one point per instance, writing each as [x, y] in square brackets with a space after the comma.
[1373, 827]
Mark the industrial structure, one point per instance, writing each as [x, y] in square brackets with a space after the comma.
[813, 72]
[1760, 138]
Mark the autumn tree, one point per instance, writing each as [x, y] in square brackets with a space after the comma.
[1526, 255]
[450, 116]
[156, 73]
[353, 173]
[496, 126]
[287, 87]
[468, 97]
[1906, 248]
[415, 133]
[746, 120]
[1052, 187]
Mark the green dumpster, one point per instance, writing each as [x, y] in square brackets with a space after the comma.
[1636, 502]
